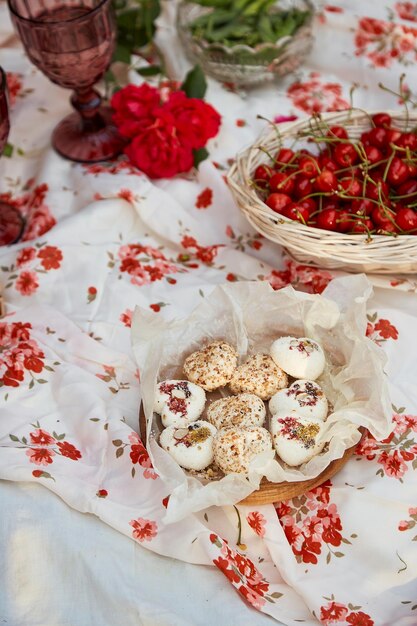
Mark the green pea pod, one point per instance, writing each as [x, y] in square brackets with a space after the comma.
[230, 31]
[218, 16]
[255, 7]
[265, 30]
[287, 27]
[221, 4]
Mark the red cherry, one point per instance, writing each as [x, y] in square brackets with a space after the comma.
[382, 119]
[381, 216]
[280, 181]
[378, 137]
[412, 170]
[338, 131]
[387, 228]
[377, 190]
[407, 219]
[296, 212]
[408, 140]
[366, 138]
[277, 201]
[373, 154]
[308, 203]
[327, 219]
[344, 221]
[263, 172]
[330, 202]
[397, 172]
[283, 156]
[327, 163]
[362, 226]
[326, 181]
[351, 186]
[362, 206]
[345, 154]
[309, 166]
[393, 136]
[302, 186]
[409, 188]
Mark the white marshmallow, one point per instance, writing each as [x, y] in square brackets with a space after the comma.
[191, 446]
[299, 357]
[179, 402]
[234, 447]
[243, 410]
[296, 439]
[305, 397]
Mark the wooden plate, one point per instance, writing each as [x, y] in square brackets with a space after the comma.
[275, 492]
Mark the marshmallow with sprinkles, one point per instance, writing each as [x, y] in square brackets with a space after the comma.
[260, 376]
[211, 367]
[243, 410]
[235, 448]
[299, 357]
[191, 446]
[179, 402]
[305, 397]
[296, 439]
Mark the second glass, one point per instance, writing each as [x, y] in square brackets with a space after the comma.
[72, 43]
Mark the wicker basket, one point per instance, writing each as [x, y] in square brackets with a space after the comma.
[382, 254]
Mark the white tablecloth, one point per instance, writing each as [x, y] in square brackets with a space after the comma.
[102, 239]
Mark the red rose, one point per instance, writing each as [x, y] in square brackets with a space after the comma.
[134, 108]
[196, 121]
[159, 151]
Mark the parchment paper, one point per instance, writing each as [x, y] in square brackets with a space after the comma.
[250, 315]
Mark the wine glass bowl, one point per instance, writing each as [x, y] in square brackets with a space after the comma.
[72, 43]
[11, 221]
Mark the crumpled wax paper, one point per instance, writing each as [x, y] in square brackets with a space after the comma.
[250, 315]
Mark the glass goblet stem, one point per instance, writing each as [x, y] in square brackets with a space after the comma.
[87, 102]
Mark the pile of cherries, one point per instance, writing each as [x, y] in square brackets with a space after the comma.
[365, 187]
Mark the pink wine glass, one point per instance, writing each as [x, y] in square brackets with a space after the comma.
[11, 222]
[72, 43]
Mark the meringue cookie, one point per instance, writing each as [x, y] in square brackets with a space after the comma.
[191, 446]
[296, 439]
[305, 397]
[179, 402]
[211, 367]
[259, 375]
[299, 357]
[234, 447]
[243, 410]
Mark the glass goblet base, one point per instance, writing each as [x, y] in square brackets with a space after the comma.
[74, 142]
[11, 224]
